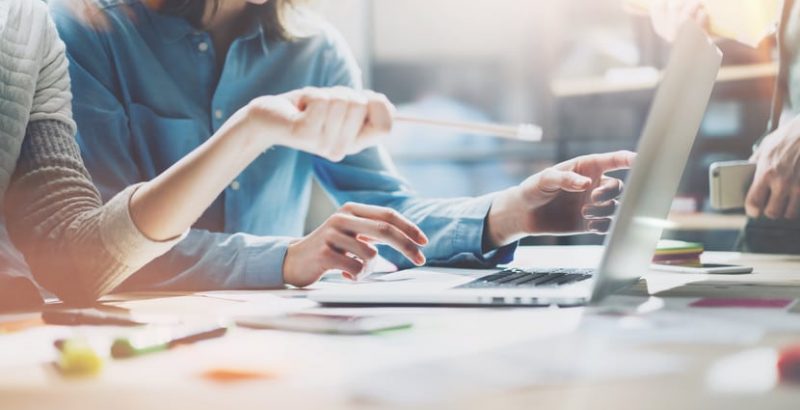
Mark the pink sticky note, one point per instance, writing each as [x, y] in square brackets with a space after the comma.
[742, 303]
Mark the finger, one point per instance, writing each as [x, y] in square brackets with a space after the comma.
[313, 105]
[347, 243]
[757, 198]
[598, 225]
[382, 231]
[778, 199]
[354, 123]
[410, 229]
[689, 11]
[613, 161]
[609, 188]
[755, 156]
[601, 210]
[335, 115]
[552, 181]
[379, 118]
[702, 18]
[333, 259]
[793, 207]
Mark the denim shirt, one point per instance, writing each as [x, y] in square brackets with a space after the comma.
[147, 91]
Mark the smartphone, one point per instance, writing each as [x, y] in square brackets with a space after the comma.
[325, 323]
[729, 182]
[709, 268]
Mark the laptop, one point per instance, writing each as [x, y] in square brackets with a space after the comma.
[673, 122]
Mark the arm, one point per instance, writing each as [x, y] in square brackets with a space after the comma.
[53, 212]
[203, 259]
[455, 227]
[206, 260]
[76, 247]
[572, 197]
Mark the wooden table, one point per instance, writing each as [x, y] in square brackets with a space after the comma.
[316, 371]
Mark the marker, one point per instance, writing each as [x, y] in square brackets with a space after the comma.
[789, 364]
[151, 342]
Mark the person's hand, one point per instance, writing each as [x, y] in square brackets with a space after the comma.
[328, 122]
[775, 192]
[667, 16]
[572, 197]
[346, 242]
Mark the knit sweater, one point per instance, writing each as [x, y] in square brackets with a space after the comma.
[76, 247]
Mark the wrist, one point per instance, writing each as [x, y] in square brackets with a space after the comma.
[287, 270]
[248, 134]
[504, 221]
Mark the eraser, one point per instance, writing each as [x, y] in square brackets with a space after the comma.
[79, 359]
[529, 132]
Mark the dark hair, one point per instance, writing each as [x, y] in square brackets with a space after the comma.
[278, 16]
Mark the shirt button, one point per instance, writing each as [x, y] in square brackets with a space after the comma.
[218, 114]
[235, 185]
[202, 46]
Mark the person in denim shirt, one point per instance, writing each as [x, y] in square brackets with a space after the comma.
[154, 82]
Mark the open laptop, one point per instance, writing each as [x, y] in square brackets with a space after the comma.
[675, 116]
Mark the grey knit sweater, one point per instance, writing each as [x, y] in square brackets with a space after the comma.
[75, 246]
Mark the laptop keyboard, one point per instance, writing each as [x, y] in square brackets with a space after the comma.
[529, 278]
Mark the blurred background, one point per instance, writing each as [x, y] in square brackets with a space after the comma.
[585, 70]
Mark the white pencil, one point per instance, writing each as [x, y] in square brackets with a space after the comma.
[521, 132]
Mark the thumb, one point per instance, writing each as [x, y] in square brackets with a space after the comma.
[755, 156]
[554, 180]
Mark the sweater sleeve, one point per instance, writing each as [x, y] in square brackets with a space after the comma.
[52, 99]
[75, 246]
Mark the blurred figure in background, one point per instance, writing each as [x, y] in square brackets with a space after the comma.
[773, 201]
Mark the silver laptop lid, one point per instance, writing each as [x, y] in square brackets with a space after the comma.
[674, 120]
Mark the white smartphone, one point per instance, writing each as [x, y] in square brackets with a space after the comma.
[709, 268]
[325, 323]
[728, 184]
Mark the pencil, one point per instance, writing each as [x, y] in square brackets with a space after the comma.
[521, 132]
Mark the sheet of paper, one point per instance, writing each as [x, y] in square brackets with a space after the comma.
[667, 326]
[546, 362]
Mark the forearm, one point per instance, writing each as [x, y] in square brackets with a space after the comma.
[206, 260]
[75, 246]
[170, 203]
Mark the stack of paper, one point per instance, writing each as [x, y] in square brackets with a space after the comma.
[669, 252]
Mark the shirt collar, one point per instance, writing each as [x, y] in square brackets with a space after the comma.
[256, 31]
[173, 28]
[170, 28]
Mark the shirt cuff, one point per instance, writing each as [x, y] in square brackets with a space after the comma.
[265, 256]
[123, 239]
[468, 237]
